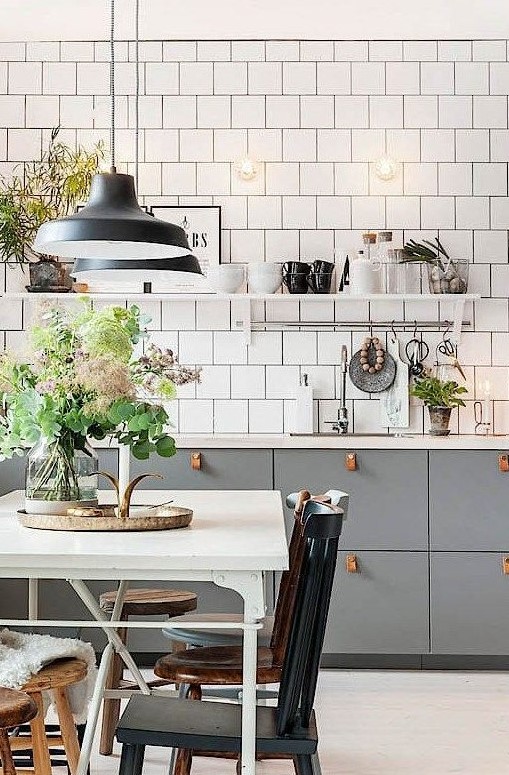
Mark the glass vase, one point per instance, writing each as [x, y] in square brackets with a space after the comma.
[60, 476]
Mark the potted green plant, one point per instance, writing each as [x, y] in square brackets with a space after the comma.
[445, 275]
[38, 191]
[84, 381]
[440, 396]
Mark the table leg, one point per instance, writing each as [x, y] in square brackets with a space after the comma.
[94, 709]
[99, 615]
[251, 588]
[249, 648]
[33, 598]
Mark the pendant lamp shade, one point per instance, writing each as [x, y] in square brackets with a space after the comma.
[112, 225]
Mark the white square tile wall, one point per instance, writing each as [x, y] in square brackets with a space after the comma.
[315, 115]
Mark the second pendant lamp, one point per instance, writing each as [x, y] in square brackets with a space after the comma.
[112, 232]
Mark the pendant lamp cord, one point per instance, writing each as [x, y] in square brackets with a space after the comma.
[137, 94]
[112, 85]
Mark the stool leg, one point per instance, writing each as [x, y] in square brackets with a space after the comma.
[5, 754]
[111, 708]
[40, 745]
[67, 729]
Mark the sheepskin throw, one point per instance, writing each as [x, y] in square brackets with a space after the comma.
[23, 655]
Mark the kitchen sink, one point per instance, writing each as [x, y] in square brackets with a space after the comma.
[335, 434]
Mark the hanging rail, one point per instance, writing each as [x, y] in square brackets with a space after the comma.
[403, 325]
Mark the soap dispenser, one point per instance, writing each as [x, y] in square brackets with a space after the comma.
[303, 417]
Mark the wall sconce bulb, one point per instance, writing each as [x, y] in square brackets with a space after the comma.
[247, 169]
[385, 168]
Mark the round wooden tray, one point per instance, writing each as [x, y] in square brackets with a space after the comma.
[175, 517]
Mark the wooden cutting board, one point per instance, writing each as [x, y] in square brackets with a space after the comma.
[394, 402]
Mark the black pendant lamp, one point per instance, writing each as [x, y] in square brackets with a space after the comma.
[112, 226]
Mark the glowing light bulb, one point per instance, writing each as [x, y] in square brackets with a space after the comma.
[385, 167]
[247, 169]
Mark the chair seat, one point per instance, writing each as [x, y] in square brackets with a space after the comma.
[215, 636]
[191, 724]
[16, 708]
[62, 672]
[220, 665]
[151, 602]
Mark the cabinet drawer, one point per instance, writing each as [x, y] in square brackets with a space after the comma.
[468, 501]
[388, 493]
[469, 603]
[383, 607]
[219, 470]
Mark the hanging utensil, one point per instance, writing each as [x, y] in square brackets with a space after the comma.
[416, 352]
[372, 369]
[449, 349]
[394, 403]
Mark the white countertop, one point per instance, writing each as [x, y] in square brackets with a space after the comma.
[285, 441]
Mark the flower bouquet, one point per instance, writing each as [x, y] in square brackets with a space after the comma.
[84, 381]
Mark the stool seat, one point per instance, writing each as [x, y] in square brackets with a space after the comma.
[218, 665]
[16, 708]
[62, 672]
[151, 602]
[215, 636]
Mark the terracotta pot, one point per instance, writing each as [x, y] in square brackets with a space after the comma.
[439, 417]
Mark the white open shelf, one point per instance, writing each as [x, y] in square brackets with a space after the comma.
[245, 296]
[243, 320]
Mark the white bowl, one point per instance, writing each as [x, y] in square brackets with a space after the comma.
[226, 278]
[264, 278]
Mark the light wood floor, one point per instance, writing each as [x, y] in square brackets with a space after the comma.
[389, 723]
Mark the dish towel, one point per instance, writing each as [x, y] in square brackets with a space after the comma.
[23, 655]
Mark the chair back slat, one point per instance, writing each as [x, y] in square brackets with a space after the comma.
[283, 612]
[321, 529]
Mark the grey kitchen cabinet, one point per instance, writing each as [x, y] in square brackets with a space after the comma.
[469, 603]
[469, 499]
[382, 607]
[221, 469]
[388, 493]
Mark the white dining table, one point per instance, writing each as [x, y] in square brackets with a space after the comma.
[236, 536]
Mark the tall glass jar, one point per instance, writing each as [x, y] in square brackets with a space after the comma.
[59, 476]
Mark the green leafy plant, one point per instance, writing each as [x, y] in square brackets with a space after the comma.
[42, 190]
[437, 392]
[84, 381]
[425, 252]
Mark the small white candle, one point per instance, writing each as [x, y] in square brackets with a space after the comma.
[124, 459]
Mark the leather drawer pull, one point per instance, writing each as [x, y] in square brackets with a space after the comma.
[351, 461]
[503, 463]
[196, 461]
[505, 566]
[352, 566]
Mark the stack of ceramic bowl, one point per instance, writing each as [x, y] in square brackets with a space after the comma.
[226, 278]
[264, 278]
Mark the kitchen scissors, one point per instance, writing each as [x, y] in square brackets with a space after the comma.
[416, 351]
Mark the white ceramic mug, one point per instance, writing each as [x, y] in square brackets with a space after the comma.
[226, 278]
[264, 278]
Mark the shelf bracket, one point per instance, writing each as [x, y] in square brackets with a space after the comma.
[242, 319]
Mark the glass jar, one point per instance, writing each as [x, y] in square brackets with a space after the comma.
[448, 276]
[60, 476]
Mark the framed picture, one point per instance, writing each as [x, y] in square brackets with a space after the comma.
[202, 224]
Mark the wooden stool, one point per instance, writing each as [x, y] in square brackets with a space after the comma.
[137, 602]
[16, 708]
[54, 678]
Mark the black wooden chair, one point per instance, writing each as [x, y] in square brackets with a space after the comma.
[286, 730]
